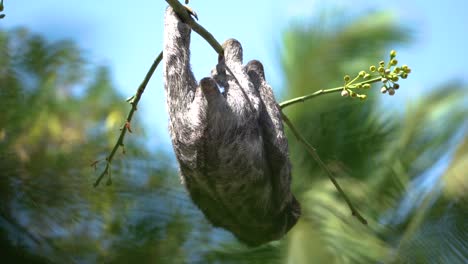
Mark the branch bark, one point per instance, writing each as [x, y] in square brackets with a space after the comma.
[126, 127]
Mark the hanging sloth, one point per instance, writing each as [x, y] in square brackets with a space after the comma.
[230, 145]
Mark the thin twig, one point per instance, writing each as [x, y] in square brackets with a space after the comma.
[301, 99]
[182, 12]
[316, 157]
[126, 127]
[304, 98]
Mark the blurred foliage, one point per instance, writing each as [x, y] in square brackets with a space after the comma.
[387, 163]
[406, 173]
[393, 166]
[58, 115]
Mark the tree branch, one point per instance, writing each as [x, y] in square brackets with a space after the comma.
[316, 157]
[304, 98]
[184, 14]
[126, 127]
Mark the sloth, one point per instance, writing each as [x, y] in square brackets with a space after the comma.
[228, 137]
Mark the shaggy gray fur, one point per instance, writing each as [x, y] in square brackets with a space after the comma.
[231, 146]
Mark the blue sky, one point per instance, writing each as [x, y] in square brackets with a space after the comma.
[127, 37]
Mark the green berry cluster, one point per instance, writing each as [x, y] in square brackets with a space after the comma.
[349, 86]
[387, 73]
[391, 74]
